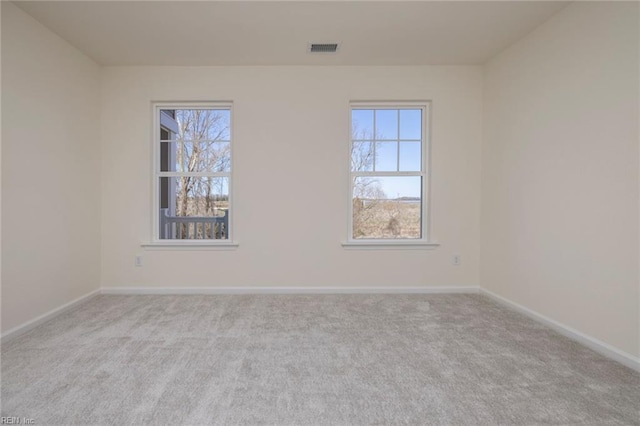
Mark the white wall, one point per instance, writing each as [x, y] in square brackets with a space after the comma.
[50, 170]
[291, 136]
[560, 172]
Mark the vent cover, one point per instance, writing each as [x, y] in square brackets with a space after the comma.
[323, 47]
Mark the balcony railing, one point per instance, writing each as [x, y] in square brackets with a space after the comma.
[193, 227]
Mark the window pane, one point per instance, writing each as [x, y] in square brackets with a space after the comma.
[199, 124]
[194, 207]
[386, 156]
[387, 207]
[410, 156]
[386, 124]
[362, 124]
[411, 124]
[203, 156]
[362, 156]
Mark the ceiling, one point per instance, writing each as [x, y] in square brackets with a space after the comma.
[278, 32]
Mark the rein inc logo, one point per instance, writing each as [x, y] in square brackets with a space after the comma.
[16, 421]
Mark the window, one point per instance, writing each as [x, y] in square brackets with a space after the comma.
[192, 172]
[389, 179]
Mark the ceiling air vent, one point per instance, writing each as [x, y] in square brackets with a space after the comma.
[323, 47]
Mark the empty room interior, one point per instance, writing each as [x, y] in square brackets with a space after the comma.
[320, 212]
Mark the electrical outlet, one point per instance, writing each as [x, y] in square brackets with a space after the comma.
[455, 260]
[139, 260]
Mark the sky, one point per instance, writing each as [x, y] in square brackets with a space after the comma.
[397, 146]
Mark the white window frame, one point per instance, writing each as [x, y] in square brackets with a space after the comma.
[425, 172]
[156, 174]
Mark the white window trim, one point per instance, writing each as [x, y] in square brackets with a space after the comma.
[425, 173]
[155, 242]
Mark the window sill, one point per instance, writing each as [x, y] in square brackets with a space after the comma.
[390, 244]
[189, 245]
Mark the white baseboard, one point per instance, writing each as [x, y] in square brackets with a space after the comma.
[287, 290]
[21, 329]
[588, 341]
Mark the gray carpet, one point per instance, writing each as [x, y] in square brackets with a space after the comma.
[309, 360]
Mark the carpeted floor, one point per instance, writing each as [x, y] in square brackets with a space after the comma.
[309, 360]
